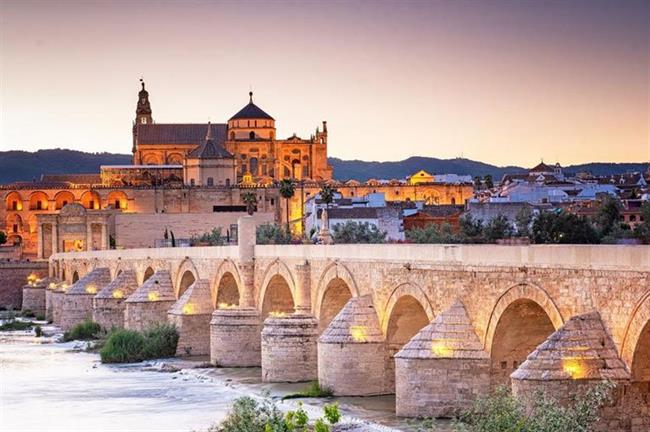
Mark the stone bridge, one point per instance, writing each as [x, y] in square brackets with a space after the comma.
[436, 324]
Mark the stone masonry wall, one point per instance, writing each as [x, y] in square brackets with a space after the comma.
[13, 276]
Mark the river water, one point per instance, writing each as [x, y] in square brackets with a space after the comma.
[46, 386]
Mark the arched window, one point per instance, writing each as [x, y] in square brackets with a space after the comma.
[210, 181]
[253, 165]
[232, 136]
[251, 135]
[453, 201]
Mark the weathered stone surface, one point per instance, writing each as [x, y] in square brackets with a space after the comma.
[571, 361]
[352, 354]
[289, 348]
[191, 315]
[34, 296]
[235, 338]
[13, 276]
[78, 302]
[149, 304]
[442, 369]
[108, 304]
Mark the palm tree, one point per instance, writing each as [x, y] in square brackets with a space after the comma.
[327, 196]
[250, 200]
[287, 190]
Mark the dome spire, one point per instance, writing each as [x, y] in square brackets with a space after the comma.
[208, 136]
[250, 95]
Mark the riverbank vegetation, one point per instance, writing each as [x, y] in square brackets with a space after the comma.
[129, 346]
[248, 415]
[314, 390]
[86, 330]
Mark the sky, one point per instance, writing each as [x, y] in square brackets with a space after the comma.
[504, 82]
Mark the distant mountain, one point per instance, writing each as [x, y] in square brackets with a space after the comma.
[25, 166]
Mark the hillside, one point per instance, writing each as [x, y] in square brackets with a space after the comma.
[26, 166]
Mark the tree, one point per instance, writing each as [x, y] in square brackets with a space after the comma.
[433, 234]
[523, 219]
[489, 183]
[470, 227]
[563, 227]
[477, 183]
[3, 237]
[642, 231]
[287, 190]
[250, 199]
[327, 194]
[498, 228]
[173, 239]
[609, 215]
[272, 234]
[354, 232]
[212, 238]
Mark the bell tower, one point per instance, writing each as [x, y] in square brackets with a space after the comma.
[143, 109]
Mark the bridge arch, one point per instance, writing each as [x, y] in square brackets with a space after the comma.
[406, 289]
[226, 285]
[148, 272]
[63, 198]
[75, 276]
[522, 318]
[277, 290]
[635, 349]
[336, 286]
[185, 276]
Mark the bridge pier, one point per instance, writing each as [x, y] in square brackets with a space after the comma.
[77, 305]
[442, 369]
[149, 304]
[108, 304]
[34, 295]
[58, 295]
[191, 315]
[571, 361]
[235, 339]
[352, 355]
[289, 348]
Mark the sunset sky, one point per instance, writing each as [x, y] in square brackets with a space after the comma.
[504, 82]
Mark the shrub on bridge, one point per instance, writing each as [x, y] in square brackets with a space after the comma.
[272, 234]
[129, 346]
[87, 330]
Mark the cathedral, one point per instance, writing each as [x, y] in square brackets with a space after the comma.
[245, 149]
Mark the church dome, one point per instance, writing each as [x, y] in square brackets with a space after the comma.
[251, 111]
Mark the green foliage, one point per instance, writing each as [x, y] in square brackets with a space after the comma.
[123, 346]
[212, 238]
[250, 199]
[128, 346]
[354, 232]
[433, 234]
[313, 391]
[272, 234]
[470, 227]
[523, 220]
[642, 231]
[87, 330]
[563, 227]
[28, 313]
[609, 215]
[12, 324]
[248, 415]
[3, 237]
[160, 341]
[38, 331]
[498, 228]
[489, 183]
[287, 188]
[327, 194]
[40, 317]
[501, 412]
[332, 413]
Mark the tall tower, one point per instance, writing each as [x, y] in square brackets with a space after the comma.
[142, 116]
[143, 110]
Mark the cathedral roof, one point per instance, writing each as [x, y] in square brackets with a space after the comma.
[251, 111]
[210, 149]
[179, 133]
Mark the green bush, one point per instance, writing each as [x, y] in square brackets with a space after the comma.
[38, 331]
[40, 317]
[123, 346]
[128, 346]
[28, 313]
[160, 341]
[272, 234]
[501, 412]
[12, 324]
[355, 232]
[433, 234]
[212, 238]
[87, 330]
[313, 391]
